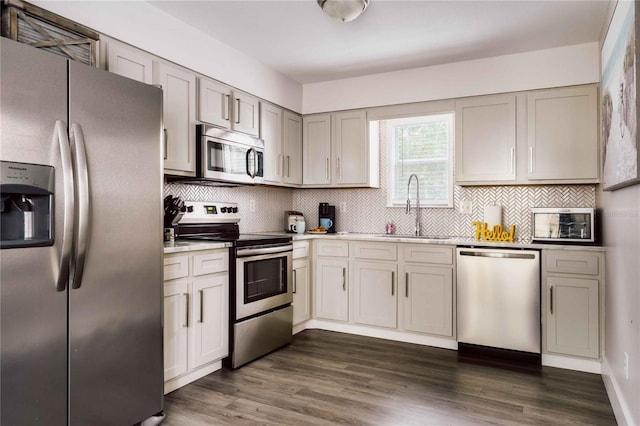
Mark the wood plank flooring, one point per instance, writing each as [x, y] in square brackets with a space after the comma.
[325, 377]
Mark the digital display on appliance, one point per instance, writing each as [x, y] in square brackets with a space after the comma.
[211, 209]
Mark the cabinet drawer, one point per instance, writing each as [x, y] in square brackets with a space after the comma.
[375, 251]
[332, 248]
[424, 253]
[210, 263]
[176, 267]
[572, 263]
[300, 249]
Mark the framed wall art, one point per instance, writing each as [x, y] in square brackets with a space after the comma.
[618, 108]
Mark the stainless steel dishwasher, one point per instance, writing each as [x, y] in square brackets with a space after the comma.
[498, 298]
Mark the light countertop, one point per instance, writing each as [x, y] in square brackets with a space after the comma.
[185, 246]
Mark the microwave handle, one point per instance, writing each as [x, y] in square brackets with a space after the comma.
[255, 167]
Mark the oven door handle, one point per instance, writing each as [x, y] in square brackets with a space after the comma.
[264, 250]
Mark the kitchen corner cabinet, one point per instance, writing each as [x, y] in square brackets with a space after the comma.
[528, 138]
[179, 106]
[301, 282]
[220, 105]
[281, 132]
[196, 315]
[331, 280]
[486, 139]
[129, 62]
[337, 151]
[572, 282]
[426, 289]
[292, 148]
[563, 134]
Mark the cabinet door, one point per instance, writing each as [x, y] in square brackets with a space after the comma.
[486, 139]
[245, 114]
[331, 289]
[214, 100]
[563, 134]
[292, 148]
[209, 331]
[572, 316]
[316, 149]
[374, 293]
[301, 291]
[179, 88]
[129, 62]
[351, 155]
[271, 134]
[427, 299]
[176, 325]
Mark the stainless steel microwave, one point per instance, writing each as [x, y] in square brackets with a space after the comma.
[570, 225]
[228, 157]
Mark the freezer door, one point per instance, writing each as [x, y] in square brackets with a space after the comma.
[33, 315]
[115, 329]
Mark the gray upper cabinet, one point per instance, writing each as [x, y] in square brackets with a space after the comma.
[281, 132]
[337, 151]
[220, 105]
[528, 138]
[486, 139]
[292, 148]
[129, 62]
[316, 153]
[179, 105]
[563, 134]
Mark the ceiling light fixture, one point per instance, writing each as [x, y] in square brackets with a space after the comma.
[343, 10]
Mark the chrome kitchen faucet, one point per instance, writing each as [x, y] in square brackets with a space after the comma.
[417, 232]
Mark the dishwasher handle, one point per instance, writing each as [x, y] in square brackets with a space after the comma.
[500, 255]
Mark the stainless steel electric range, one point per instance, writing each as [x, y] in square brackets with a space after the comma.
[260, 273]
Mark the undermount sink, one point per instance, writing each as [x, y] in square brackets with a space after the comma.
[417, 237]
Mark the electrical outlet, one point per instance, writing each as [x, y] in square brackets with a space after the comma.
[466, 207]
[252, 205]
[343, 206]
[626, 366]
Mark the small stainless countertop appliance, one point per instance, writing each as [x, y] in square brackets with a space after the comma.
[290, 219]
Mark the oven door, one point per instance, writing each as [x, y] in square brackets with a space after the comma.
[263, 277]
[231, 161]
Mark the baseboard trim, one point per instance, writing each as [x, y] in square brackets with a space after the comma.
[618, 404]
[577, 364]
[192, 376]
[400, 336]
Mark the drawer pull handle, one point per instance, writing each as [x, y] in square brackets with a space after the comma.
[406, 284]
[186, 323]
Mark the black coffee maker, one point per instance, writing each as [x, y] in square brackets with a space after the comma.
[325, 211]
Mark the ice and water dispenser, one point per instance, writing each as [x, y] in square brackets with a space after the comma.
[26, 205]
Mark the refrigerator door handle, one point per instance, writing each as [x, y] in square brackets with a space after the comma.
[82, 184]
[60, 138]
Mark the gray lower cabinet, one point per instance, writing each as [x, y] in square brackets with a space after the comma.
[427, 299]
[571, 302]
[301, 282]
[426, 289]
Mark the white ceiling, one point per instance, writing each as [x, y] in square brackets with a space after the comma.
[296, 38]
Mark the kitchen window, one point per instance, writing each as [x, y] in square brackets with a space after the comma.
[424, 146]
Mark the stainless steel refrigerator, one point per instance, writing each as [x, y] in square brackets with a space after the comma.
[81, 234]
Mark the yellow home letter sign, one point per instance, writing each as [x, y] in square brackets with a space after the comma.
[496, 234]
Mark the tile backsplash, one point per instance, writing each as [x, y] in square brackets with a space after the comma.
[270, 203]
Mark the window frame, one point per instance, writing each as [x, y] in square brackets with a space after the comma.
[391, 164]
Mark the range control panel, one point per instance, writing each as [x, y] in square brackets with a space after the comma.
[210, 212]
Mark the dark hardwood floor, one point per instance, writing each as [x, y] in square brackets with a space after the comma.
[325, 377]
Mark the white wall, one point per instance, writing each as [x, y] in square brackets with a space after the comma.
[621, 230]
[563, 66]
[150, 29]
